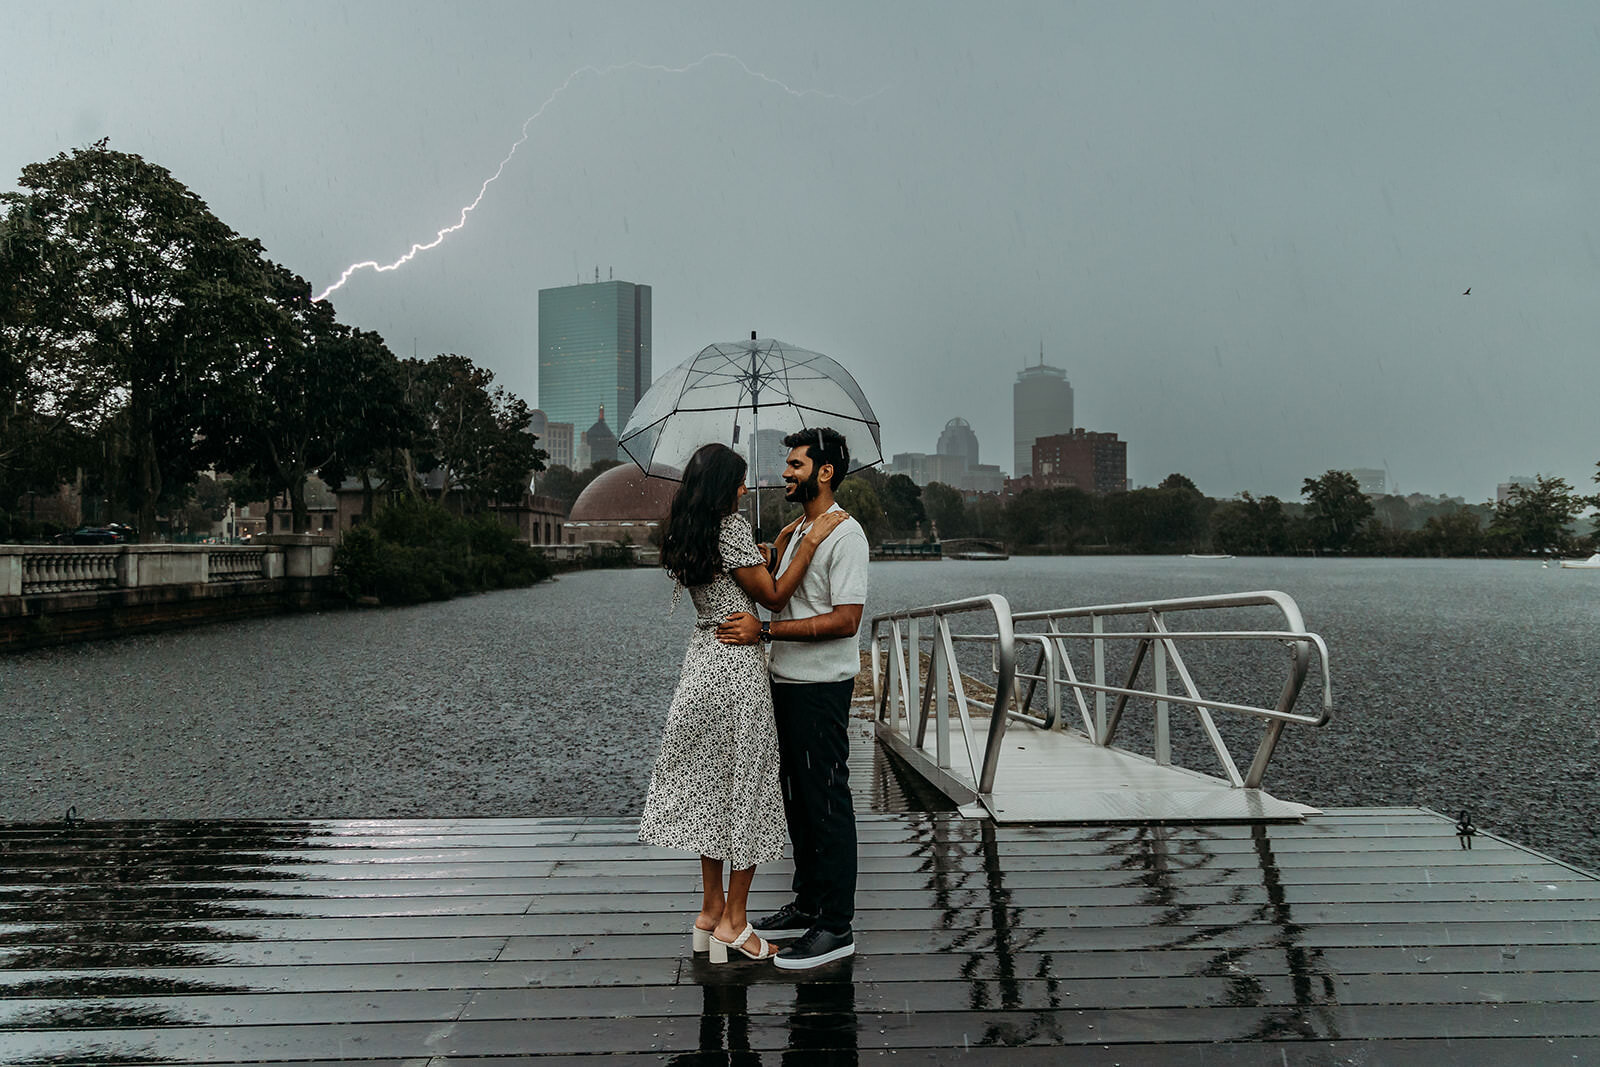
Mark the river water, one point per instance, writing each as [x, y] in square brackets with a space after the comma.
[1457, 684]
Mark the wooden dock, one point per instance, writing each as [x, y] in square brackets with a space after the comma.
[1367, 936]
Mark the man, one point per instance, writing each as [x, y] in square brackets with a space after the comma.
[814, 662]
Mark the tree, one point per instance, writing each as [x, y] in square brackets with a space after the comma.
[1178, 481]
[858, 497]
[32, 453]
[1150, 518]
[375, 440]
[902, 504]
[132, 301]
[301, 398]
[1054, 518]
[946, 509]
[565, 484]
[560, 482]
[1336, 508]
[988, 516]
[1248, 526]
[1594, 502]
[1456, 533]
[1534, 518]
[1395, 513]
[477, 435]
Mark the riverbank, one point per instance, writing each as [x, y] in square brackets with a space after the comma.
[54, 595]
[62, 594]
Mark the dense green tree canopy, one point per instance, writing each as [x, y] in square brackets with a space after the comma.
[1534, 518]
[1456, 533]
[476, 434]
[313, 396]
[1248, 526]
[128, 303]
[1337, 509]
[565, 484]
[902, 505]
[946, 509]
[1053, 518]
[1178, 481]
[860, 499]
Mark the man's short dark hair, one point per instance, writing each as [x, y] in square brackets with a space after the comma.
[823, 445]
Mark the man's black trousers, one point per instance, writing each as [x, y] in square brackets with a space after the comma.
[814, 769]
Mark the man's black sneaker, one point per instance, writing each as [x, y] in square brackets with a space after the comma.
[787, 921]
[814, 948]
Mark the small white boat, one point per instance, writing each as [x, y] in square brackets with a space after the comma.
[1590, 564]
[1206, 555]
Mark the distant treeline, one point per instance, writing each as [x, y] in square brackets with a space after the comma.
[143, 342]
[1334, 516]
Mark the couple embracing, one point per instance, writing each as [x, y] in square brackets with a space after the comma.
[753, 744]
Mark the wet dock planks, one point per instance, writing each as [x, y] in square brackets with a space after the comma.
[1363, 935]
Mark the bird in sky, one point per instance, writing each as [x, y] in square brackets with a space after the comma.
[1468, 292]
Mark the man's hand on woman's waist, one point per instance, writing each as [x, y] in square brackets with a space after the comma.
[743, 628]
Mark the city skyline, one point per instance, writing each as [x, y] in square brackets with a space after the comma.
[1264, 242]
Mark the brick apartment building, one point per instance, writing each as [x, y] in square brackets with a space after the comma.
[1097, 462]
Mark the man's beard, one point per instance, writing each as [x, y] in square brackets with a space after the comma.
[807, 491]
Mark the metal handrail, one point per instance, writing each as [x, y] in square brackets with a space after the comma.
[904, 697]
[905, 702]
[1164, 642]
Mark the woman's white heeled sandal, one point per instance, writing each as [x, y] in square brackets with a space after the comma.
[699, 940]
[719, 947]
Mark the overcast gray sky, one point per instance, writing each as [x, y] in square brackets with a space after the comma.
[1243, 229]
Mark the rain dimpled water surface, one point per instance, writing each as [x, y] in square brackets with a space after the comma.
[1457, 685]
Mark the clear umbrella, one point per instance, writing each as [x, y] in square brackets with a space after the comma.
[749, 395]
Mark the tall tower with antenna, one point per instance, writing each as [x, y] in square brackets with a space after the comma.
[1041, 406]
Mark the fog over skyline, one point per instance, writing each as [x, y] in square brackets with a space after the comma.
[1244, 230]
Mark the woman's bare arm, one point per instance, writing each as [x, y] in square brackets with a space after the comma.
[782, 541]
[773, 593]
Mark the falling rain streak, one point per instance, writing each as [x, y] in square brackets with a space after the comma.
[483, 190]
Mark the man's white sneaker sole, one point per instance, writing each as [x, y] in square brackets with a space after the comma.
[814, 961]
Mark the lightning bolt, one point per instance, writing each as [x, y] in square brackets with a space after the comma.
[599, 72]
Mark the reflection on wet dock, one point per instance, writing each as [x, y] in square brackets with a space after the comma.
[1366, 935]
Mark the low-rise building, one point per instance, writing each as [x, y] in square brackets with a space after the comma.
[1502, 492]
[1371, 480]
[1093, 462]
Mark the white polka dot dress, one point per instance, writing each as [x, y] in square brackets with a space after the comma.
[714, 790]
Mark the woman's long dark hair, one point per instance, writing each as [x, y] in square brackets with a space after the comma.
[710, 491]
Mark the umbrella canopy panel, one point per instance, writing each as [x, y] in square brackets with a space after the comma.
[748, 395]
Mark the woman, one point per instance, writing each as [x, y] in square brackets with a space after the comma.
[714, 789]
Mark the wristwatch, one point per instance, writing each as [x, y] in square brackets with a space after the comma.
[766, 632]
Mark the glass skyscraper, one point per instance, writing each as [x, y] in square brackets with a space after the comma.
[594, 350]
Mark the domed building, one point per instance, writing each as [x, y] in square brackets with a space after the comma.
[959, 440]
[623, 503]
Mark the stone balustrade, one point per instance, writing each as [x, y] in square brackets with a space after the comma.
[29, 570]
[50, 593]
[235, 564]
[65, 570]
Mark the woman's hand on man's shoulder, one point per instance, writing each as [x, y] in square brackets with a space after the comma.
[825, 525]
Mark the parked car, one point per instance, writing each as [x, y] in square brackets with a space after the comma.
[112, 533]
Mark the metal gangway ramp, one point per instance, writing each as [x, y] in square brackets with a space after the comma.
[980, 700]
